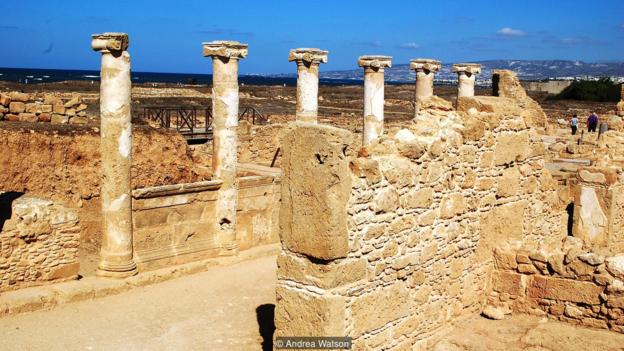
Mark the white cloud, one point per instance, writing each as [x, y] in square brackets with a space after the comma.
[510, 32]
[410, 45]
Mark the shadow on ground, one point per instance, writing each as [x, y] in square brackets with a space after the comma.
[266, 325]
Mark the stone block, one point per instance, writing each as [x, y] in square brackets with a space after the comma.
[452, 205]
[325, 276]
[316, 185]
[63, 271]
[500, 224]
[44, 117]
[5, 100]
[377, 308]
[59, 119]
[511, 147]
[81, 107]
[33, 108]
[422, 198]
[504, 259]
[50, 99]
[28, 117]
[508, 183]
[70, 112]
[300, 313]
[541, 287]
[17, 96]
[17, 107]
[58, 109]
[11, 117]
[46, 108]
[78, 120]
[366, 168]
[386, 201]
[72, 102]
[615, 266]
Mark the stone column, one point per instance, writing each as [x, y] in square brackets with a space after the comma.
[620, 105]
[466, 78]
[116, 255]
[308, 61]
[425, 71]
[225, 56]
[373, 95]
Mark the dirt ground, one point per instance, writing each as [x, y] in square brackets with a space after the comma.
[527, 333]
[225, 308]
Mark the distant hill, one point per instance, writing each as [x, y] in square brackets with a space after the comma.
[526, 69]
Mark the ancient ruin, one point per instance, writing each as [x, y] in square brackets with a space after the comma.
[388, 231]
[373, 95]
[308, 61]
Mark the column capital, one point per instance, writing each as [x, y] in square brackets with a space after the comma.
[425, 64]
[225, 49]
[308, 55]
[375, 61]
[472, 68]
[107, 42]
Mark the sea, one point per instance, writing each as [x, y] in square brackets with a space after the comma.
[38, 76]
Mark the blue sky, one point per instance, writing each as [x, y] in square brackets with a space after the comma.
[166, 36]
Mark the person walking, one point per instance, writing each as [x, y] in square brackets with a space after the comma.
[574, 124]
[592, 122]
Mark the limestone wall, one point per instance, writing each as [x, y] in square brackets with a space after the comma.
[391, 246]
[567, 284]
[178, 223]
[16, 106]
[38, 243]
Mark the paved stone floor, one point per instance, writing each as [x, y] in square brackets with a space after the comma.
[225, 308]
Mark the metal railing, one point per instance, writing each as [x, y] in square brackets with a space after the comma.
[194, 120]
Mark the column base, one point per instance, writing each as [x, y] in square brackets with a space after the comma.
[307, 119]
[116, 271]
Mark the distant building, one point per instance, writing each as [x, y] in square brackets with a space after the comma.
[550, 87]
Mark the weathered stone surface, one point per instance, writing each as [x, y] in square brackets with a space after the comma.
[20, 97]
[324, 276]
[419, 199]
[28, 117]
[41, 242]
[386, 200]
[498, 225]
[564, 290]
[508, 282]
[17, 107]
[590, 219]
[511, 147]
[384, 305]
[315, 189]
[615, 266]
[509, 182]
[452, 205]
[492, 312]
[306, 314]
